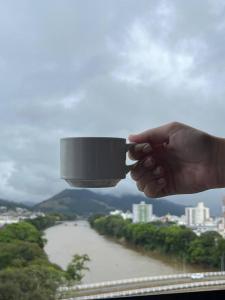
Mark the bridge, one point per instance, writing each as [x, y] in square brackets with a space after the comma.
[144, 286]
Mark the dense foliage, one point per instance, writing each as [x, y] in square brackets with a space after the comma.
[41, 223]
[34, 282]
[180, 241]
[25, 271]
[22, 231]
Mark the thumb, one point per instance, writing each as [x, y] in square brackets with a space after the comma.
[156, 135]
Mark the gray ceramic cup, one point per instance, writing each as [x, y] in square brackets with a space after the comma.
[93, 162]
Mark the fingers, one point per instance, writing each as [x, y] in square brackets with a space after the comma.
[147, 175]
[155, 188]
[149, 184]
[152, 187]
[138, 151]
[146, 165]
[142, 167]
[156, 135]
[150, 178]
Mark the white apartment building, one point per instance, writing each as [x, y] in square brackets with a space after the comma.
[142, 213]
[198, 215]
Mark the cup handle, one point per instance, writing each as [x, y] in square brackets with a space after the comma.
[129, 167]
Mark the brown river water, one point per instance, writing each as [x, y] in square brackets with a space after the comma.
[109, 260]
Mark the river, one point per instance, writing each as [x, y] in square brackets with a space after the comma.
[109, 260]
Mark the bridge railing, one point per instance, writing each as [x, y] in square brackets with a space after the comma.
[152, 290]
[138, 280]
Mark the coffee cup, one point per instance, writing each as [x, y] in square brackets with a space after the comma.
[93, 162]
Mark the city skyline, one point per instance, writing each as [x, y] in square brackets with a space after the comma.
[197, 218]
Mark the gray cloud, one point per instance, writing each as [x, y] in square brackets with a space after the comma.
[71, 68]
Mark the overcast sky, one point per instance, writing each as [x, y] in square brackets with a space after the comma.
[102, 68]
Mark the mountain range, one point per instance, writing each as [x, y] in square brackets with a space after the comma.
[12, 205]
[83, 203]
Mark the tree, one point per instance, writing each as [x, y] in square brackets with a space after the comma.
[35, 282]
[25, 272]
[22, 231]
[92, 218]
[206, 249]
[19, 253]
[43, 222]
[75, 268]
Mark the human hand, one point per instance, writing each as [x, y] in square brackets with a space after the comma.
[176, 159]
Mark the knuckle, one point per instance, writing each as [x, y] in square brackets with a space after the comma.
[150, 191]
[147, 193]
[140, 186]
[174, 124]
[130, 155]
[133, 174]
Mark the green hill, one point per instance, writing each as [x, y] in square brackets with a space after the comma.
[12, 205]
[84, 203]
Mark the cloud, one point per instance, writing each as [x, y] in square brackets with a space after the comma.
[147, 62]
[105, 68]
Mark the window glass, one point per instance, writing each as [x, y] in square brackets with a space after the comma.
[111, 69]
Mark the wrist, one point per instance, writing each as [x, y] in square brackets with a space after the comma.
[219, 161]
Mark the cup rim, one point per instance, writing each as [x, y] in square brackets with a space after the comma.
[93, 138]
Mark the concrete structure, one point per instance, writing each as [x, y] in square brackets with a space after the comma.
[198, 215]
[142, 213]
[204, 228]
[171, 218]
[125, 216]
[116, 212]
[9, 216]
[4, 220]
[221, 221]
[182, 220]
[223, 207]
[223, 213]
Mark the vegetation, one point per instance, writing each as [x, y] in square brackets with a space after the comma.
[41, 223]
[75, 268]
[25, 271]
[180, 241]
[22, 231]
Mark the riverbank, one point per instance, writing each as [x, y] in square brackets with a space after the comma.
[175, 242]
[167, 259]
[110, 260]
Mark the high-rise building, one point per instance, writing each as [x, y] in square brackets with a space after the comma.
[223, 213]
[197, 215]
[142, 213]
[223, 208]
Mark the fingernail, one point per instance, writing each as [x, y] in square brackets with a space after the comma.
[157, 171]
[148, 162]
[161, 181]
[138, 147]
[147, 148]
